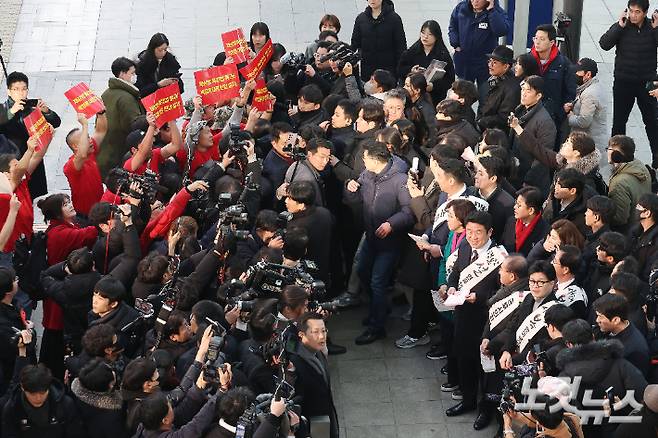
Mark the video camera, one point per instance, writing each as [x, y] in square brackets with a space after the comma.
[237, 144]
[293, 61]
[341, 53]
[293, 148]
[144, 187]
[215, 358]
[513, 382]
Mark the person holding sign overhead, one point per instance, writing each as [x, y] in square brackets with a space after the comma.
[157, 67]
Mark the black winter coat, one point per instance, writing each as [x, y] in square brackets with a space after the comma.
[101, 412]
[10, 318]
[415, 55]
[461, 128]
[118, 318]
[423, 114]
[15, 131]
[645, 249]
[318, 223]
[62, 420]
[501, 208]
[601, 365]
[635, 58]
[499, 103]
[149, 73]
[74, 294]
[380, 41]
[343, 140]
[313, 385]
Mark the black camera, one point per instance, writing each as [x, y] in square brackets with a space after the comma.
[329, 306]
[215, 358]
[237, 143]
[416, 173]
[341, 53]
[562, 20]
[293, 148]
[144, 187]
[282, 224]
[293, 61]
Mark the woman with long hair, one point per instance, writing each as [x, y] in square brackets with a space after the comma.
[420, 109]
[418, 57]
[157, 67]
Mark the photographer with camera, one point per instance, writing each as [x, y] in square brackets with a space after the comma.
[13, 327]
[318, 155]
[266, 233]
[547, 416]
[70, 284]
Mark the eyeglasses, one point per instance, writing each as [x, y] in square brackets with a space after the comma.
[539, 283]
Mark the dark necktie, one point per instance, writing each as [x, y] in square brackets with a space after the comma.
[474, 256]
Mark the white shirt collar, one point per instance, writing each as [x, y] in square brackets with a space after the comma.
[458, 193]
[483, 250]
[566, 284]
[227, 426]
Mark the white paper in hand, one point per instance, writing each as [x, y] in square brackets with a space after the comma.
[439, 303]
[456, 299]
[488, 363]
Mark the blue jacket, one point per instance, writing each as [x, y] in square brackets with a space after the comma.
[476, 36]
[385, 198]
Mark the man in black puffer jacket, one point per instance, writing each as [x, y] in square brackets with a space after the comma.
[379, 36]
[600, 365]
[636, 39]
[38, 405]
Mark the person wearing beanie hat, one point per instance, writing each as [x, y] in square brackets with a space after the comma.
[143, 155]
[588, 112]
[504, 93]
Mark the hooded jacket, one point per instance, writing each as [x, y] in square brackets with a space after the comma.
[380, 41]
[628, 182]
[102, 412]
[123, 105]
[476, 35]
[601, 365]
[385, 198]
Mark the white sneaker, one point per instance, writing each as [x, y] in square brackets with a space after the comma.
[408, 342]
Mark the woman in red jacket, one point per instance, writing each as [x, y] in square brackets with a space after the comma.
[63, 236]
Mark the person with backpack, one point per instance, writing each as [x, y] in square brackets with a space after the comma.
[62, 236]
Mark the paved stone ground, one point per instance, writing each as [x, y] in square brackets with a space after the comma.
[381, 391]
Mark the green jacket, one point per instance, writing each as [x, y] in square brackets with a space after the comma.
[123, 105]
[628, 182]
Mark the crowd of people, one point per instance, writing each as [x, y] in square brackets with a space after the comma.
[188, 279]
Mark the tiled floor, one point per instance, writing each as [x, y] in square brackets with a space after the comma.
[381, 391]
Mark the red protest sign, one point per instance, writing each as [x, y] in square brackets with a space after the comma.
[256, 66]
[217, 84]
[235, 46]
[38, 127]
[262, 99]
[165, 104]
[84, 100]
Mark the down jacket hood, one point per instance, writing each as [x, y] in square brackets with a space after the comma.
[102, 400]
[591, 361]
[633, 168]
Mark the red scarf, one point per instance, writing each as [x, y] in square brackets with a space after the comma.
[543, 68]
[523, 231]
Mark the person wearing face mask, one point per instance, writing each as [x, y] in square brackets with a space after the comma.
[122, 106]
[588, 113]
[630, 179]
[157, 67]
[380, 82]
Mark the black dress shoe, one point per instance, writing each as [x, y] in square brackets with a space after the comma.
[369, 336]
[458, 409]
[482, 420]
[333, 349]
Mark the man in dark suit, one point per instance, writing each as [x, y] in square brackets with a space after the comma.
[470, 317]
[313, 383]
[527, 227]
[501, 203]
